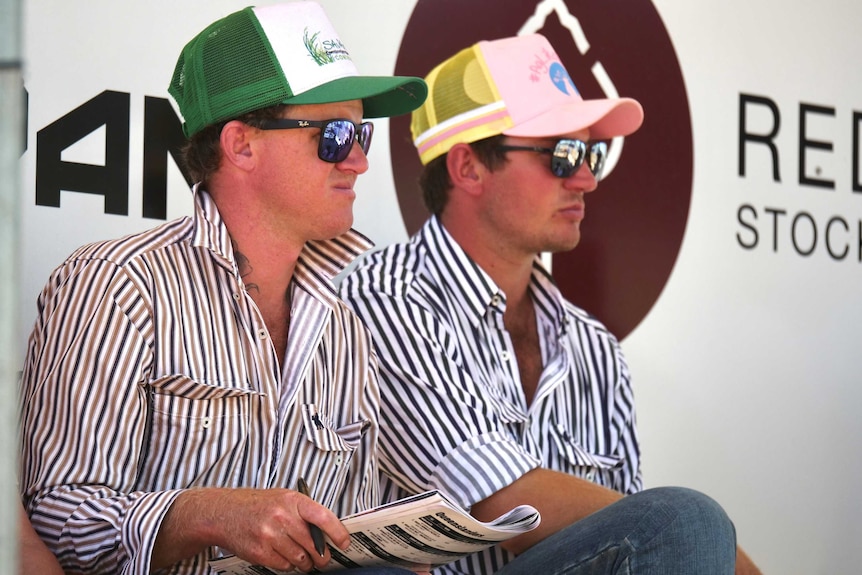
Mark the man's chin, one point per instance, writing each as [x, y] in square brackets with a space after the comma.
[338, 228]
[562, 245]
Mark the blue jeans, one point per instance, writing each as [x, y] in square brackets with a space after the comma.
[380, 571]
[662, 531]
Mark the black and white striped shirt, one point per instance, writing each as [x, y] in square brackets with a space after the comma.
[454, 416]
[150, 370]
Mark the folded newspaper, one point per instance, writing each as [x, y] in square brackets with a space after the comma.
[417, 533]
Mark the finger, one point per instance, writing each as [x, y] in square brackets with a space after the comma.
[315, 514]
[300, 538]
[287, 561]
[303, 561]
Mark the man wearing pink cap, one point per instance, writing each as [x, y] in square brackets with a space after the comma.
[496, 389]
[183, 385]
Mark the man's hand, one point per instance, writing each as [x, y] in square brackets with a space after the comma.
[268, 527]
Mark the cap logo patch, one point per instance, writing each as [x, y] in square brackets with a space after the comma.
[561, 79]
[545, 64]
[324, 51]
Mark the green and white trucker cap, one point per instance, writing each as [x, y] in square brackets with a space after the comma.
[279, 54]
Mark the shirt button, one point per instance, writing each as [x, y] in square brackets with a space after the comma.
[495, 300]
[261, 333]
[236, 296]
[591, 476]
[504, 356]
[206, 422]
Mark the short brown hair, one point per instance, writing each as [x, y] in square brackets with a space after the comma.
[434, 179]
[201, 154]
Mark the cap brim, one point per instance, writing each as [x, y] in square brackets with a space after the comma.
[604, 118]
[382, 96]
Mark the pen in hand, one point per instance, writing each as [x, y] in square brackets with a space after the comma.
[316, 533]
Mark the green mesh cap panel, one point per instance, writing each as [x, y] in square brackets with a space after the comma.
[226, 71]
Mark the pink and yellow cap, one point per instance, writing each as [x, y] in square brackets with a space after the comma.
[515, 86]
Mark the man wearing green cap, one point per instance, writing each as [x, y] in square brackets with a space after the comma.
[180, 383]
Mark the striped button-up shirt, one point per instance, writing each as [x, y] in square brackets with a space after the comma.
[454, 415]
[150, 370]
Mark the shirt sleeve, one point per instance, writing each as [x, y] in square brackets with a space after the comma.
[84, 421]
[628, 477]
[440, 429]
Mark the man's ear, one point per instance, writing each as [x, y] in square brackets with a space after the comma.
[236, 144]
[465, 169]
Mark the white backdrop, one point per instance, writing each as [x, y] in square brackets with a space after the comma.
[746, 368]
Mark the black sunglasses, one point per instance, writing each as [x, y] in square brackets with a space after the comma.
[568, 155]
[336, 136]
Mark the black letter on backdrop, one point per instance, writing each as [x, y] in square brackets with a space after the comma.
[744, 100]
[775, 213]
[25, 100]
[810, 219]
[163, 135]
[805, 143]
[109, 109]
[828, 236]
[750, 226]
[857, 117]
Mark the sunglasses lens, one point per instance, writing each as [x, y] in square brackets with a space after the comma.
[365, 131]
[336, 141]
[567, 157]
[570, 154]
[596, 159]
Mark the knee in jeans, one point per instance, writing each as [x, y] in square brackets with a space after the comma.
[698, 513]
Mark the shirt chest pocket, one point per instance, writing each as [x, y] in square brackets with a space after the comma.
[334, 448]
[198, 433]
[580, 461]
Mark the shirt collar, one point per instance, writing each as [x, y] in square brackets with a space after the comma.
[209, 230]
[319, 262]
[474, 288]
[458, 273]
[550, 301]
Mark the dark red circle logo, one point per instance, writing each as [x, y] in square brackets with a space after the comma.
[636, 218]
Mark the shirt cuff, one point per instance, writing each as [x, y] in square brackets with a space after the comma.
[143, 521]
[481, 466]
